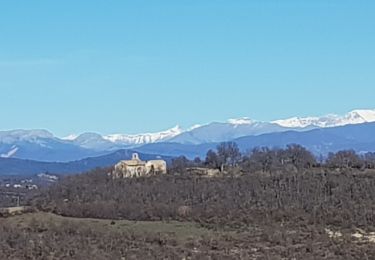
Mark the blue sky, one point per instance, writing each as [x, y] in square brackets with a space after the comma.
[141, 66]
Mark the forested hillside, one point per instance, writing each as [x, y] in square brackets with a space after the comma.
[263, 205]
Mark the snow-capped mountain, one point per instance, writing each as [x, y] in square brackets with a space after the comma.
[351, 118]
[44, 146]
[219, 132]
[40, 145]
[144, 138]
[118, 141]
[241, 121]
[235, 128]
[12, 141]
[13, 150]
[320, 141]
[23, 135]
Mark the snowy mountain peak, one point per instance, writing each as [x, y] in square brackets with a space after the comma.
[297, 122]
[362, 116]
[241, 121]
[27, 143]
[125, 139]
[353, 117]
[144, 138]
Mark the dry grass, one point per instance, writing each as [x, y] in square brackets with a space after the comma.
[179, 240]
[182, 231]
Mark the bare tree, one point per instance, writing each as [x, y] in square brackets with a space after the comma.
[229, 154]
[180, 164]
[262, 158]
[344, 159]
[212, 160]
[299, 156]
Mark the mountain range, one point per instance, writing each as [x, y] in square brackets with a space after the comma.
[359, 137]
[320, 141]
[319, 134]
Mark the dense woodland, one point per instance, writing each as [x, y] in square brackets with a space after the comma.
[287, 195]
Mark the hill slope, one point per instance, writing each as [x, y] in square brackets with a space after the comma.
[11, 166]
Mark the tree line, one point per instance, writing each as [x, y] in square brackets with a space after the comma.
[228, 155]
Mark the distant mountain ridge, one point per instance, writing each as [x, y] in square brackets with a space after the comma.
[12, 166]
[321, 141]
[42, 145]
[144, 138]
[351, 118]
[218, 132]
[234, 128]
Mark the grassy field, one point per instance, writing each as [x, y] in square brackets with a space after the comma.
[181, 231]
[49, 236]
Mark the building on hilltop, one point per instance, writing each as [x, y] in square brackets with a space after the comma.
[138, 168]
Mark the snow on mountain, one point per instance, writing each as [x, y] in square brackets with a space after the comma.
[361, 116]
[118, 141]
[144, 138]
[10, 153]
[43, 146]
[320, 141]
[194, 127]
[40, 145]
[23, 135]
[241, 121]
[71, 137]
[353, 117]
[219, 132]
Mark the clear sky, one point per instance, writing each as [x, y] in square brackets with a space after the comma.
[141, 66]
